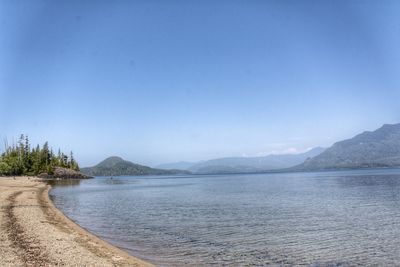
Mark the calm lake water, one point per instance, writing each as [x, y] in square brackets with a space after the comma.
[312, 219]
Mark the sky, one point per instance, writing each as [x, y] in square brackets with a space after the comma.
[165, 81]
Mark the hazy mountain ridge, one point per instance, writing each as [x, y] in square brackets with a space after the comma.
[181, 165]
[379, 148]
[253, 164]
[116, 166]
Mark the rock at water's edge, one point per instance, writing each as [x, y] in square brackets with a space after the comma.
[64, 173]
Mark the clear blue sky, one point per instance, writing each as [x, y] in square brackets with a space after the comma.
[163, 81]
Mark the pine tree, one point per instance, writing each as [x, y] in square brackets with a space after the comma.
[20, 159]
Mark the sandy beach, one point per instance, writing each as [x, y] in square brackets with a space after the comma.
[34, 233]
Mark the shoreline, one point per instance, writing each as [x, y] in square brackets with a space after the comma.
[33, 232]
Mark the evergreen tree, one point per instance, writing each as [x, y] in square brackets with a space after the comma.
[20, 159]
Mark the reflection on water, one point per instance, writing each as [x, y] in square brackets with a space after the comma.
[316, 219]
[114, 181]
[63, 182]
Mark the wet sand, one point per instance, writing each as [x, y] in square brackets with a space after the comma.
[34, 233]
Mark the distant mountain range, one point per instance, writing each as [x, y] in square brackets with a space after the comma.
[245, 164]
[181, 165]
[116, 166]
[380, 148]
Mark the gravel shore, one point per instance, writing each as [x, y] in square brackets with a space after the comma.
[34, 233]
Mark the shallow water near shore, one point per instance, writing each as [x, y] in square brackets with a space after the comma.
[342, 218]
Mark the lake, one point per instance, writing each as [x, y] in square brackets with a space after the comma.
[342, 218]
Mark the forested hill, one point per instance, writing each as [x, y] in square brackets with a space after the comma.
[22, 159]
[116, 166]
[379, 148]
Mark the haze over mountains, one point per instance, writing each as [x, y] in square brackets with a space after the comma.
[245, 164]
[181, 165]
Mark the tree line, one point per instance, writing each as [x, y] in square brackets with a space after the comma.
[21, 159]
